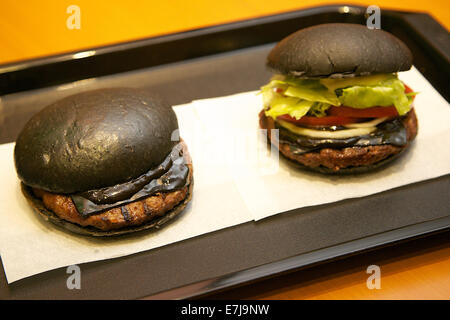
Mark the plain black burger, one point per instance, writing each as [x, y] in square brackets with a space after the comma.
[105, 162]
[336, 98]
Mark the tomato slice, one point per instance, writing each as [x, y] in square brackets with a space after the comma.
[316, 121]
[374, 112]
[344, 115]
[407, 89]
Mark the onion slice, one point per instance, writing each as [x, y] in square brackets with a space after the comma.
[340, 134]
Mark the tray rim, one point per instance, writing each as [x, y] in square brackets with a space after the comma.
[123, 45]
[306, 260]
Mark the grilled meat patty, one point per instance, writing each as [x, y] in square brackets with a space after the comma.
[337, 159]
[131, 214]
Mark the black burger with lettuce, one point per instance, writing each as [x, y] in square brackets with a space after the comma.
[336, 98]
[105, 162]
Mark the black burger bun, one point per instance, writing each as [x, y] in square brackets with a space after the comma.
[339, 50]
[98, 138]
[105, 162]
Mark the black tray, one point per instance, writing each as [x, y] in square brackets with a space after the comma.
[213, 62]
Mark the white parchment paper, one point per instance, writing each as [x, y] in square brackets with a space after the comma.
[237, 179]
[268, 189]
[29, 245]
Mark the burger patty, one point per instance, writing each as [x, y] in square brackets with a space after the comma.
[336, 159]
[131, 214]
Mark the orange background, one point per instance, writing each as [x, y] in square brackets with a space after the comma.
[36, 28]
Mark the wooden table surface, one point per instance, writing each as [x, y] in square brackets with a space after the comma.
[36, 28]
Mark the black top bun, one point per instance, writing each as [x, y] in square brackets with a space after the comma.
[339, 50]
[94, 139]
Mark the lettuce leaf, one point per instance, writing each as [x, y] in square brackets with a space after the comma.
[294, 107]
[387, 93]
[300, 97]
[278, 104]
[313, 97]
[372, 80]
[319, 109]
[307, 89]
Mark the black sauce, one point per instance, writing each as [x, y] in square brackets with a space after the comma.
[170, 175]
[125, 190]
[391, 132]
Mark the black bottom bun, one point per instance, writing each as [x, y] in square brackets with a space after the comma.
[348, 170]
[156, 223]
